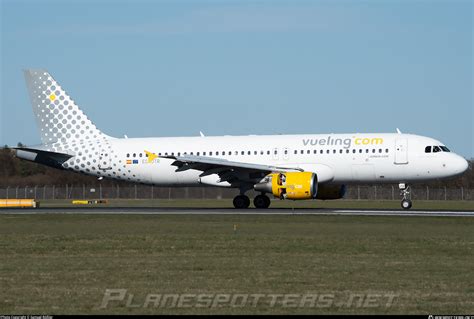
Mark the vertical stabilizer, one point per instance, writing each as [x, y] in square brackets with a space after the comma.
[59, 118]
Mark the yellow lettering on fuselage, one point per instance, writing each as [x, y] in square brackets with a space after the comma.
[368, 141]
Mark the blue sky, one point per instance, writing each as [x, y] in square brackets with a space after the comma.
[174, 68]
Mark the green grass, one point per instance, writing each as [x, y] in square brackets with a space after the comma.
[227, 203]
[62, 264]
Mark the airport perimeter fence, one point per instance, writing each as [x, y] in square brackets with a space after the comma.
[353, 192]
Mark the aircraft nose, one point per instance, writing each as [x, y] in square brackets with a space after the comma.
[460, 164]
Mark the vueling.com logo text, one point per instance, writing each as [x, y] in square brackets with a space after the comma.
[344, 142]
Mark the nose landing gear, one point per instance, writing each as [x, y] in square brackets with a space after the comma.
[405, 192]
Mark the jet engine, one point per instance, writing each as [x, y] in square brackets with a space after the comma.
[331, 191]
[290, 185]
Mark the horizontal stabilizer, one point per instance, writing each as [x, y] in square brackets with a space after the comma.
[42, 157]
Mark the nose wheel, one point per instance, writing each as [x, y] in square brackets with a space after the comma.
[406, 204]
[405, 192]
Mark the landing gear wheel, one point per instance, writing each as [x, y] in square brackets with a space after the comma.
[261, 201]
[241, 201]
[406, 195]
[406, 204]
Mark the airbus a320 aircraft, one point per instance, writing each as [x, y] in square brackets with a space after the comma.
[294, 167]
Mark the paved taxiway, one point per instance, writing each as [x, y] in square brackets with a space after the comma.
[232, 211]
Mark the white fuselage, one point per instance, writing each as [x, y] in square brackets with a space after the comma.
[288, 166]
[335, 158]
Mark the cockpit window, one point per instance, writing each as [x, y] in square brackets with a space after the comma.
[436, 149]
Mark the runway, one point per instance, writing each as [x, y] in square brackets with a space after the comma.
[232, 211]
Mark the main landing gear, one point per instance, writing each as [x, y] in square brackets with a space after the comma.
[241, 201]
[260, 201]
[405, 192]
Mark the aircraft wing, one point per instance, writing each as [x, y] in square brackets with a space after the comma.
[230, 171]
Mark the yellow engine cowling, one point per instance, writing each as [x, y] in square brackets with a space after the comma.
[290, 185]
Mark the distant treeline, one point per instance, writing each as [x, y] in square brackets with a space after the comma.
[16, 172]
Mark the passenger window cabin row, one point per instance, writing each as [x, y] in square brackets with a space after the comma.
[275, 152]
[347, 151]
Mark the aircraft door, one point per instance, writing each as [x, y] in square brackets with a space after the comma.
[105, 157]
[401, 151]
